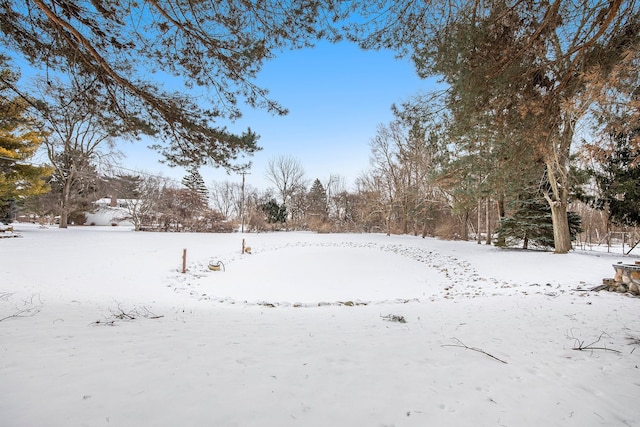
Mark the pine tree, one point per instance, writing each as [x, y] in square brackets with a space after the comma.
[19, 141]
[531, 223]
[276, 214]
[317, 201]
[194, 182]
[124, 186]
[619, 181]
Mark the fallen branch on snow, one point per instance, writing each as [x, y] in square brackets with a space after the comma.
[581, 347]
[463, 345]
[121, 314]
[30, 309]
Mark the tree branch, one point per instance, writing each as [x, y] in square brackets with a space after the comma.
[463, 345]
[581, 347]
[30, 309]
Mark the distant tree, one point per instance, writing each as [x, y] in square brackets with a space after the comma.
[43, 207]
[317, 202]
[297, 207]
[194, 182]
[211, 221]
[345, 213]
[287, 174]
[143, 208]
[226, 198]
[276, 214]
[254, 216]
[371, 208]
[74, 192]
[123, 186]
[179, 208]
[618, 180]
[402, 160]
[79, 135]
[335, 186]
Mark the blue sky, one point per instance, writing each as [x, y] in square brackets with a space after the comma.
[337, 95]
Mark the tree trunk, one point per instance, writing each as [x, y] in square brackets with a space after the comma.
[488, 220]
[561, 235]
[478, 236]
[501, 208]
[465, 230]
[557, 163]
[405, 224]
[501, 214]
[389, 219]
[64, 218]
[64, 211]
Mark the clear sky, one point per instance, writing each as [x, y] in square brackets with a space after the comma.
[337, 95]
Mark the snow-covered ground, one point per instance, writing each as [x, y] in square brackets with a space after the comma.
[306, 331]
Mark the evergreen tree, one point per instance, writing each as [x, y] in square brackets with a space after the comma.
[8, 210]
[276, 214]
[619, 181]
[317, 201]
[194, 182]
[123, 186]
[19, 141]
[531, 223]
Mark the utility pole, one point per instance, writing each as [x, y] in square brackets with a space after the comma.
[243, 173]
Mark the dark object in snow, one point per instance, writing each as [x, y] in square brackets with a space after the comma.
[394, 318]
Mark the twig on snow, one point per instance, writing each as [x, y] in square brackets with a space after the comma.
[581, 347]
[479, 350]
[136, 312]
[121, 314]
[31, 307]
[25, 312]
[148, 314]
[633, 340]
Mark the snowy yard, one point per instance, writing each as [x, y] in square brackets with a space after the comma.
[305, 331]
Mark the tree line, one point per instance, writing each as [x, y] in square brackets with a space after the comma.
[539, 106]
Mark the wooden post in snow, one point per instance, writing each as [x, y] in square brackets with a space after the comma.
[184, 260]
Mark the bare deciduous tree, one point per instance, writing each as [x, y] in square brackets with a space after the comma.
[226, 198]
[287, 174]
[78, 136]
[142, 209]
